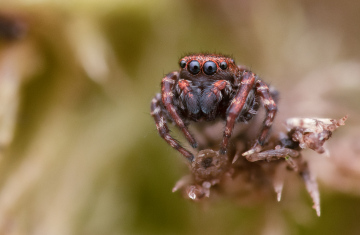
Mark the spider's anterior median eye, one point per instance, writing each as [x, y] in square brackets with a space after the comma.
[223, 65]
[210, 67]
[182, 64]
[194, 67]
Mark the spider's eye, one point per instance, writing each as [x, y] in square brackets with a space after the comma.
[194, 67]
[210, 67]
[223, 65]
[182, 64]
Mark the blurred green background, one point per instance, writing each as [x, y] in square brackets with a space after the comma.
[80, 153]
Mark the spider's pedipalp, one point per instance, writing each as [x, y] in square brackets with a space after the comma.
[187, 95]
[212, 95]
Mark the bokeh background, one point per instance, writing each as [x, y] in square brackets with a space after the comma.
[79, 152]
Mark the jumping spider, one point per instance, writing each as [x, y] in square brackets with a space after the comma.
[207, 87]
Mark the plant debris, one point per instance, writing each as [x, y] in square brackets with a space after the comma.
[236, 176]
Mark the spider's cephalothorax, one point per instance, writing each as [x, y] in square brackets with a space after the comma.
[207, 87]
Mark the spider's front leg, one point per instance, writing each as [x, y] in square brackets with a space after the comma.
[161, 126]
[236, 106]
[167, 96]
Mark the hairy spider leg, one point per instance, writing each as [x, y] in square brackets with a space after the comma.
[236, 106]
[263, 91]
[161, 126]
[167, 96]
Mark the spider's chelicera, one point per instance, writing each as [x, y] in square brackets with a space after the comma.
[208, 87]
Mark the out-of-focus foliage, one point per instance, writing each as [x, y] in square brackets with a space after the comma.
[80, 153]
